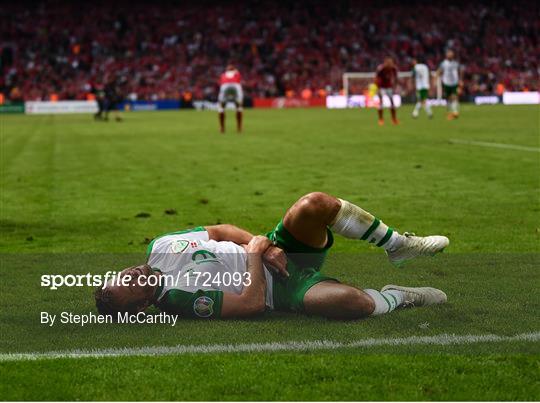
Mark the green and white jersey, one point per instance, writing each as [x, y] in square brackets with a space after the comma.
[450, 72]
[196, 271]
[421, 76]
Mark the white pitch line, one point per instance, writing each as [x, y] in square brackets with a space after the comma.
[440, 340]
[496, 145]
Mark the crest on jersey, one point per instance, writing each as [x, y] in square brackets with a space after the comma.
[179, 245]
[203, 307]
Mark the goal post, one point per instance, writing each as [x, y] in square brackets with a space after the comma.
[359, 82]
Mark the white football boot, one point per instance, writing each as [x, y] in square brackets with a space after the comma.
[414, 246]
[419, 296]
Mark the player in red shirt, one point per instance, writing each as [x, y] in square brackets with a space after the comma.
[230, 90]
[386, 80]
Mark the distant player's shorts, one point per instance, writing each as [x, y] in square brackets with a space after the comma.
[421, 95]
[449, 90]
[389, 92]
[231, 92]
[304, 267]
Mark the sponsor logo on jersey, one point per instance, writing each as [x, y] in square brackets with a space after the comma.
[204, 256]
[203, 307]
[179, 245]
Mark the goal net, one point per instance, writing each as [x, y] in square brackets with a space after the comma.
[363, 83]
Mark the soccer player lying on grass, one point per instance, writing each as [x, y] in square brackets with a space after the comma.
[222, 271]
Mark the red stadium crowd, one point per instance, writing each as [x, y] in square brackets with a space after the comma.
[57, 50]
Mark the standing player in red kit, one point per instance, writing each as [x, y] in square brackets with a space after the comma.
[386, 80]
[230, 90]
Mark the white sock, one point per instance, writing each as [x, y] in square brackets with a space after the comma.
[385, 301]
[427, 107]
[454, 106]
[417, 108]
[353, 222]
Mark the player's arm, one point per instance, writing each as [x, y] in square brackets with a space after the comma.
[228, 232]
[219, 304]
[274, 256]
[252, 299]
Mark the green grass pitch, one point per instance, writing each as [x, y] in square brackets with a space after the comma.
[71, 189]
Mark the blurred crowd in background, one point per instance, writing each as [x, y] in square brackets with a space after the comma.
[167, 50]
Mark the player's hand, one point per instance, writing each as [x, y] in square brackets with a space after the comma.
[258, 245]
[275, 258]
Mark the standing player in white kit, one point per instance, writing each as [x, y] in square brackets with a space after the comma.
[451, 75]
[230, 90]
[421, 81]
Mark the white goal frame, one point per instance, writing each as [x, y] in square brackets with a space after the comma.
[371, 75]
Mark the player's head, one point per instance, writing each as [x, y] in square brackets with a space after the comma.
[388, 61]
[115, 298]
[450, 54]
[230, 67]
[418, 59]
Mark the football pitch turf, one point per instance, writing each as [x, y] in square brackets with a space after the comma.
[80, 196]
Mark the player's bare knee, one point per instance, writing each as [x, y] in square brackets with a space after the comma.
[361, 304]
[319, 204]
[355, 304]
[367, 305]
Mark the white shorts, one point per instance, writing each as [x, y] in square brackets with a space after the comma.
[389, 92]
[231, 92]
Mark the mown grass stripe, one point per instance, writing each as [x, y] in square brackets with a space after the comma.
[496, 145]
[440, 340]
